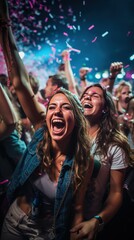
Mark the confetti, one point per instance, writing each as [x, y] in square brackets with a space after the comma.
[104, 34]
[94, 39]
[91, 27]
[40, 28]
[65, 34]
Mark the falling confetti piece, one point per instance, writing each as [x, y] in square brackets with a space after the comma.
[104, 34]
[65, 34]
[91, 27]
[94, 39]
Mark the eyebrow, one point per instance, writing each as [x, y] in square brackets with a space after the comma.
[93, 94]
[61, 104]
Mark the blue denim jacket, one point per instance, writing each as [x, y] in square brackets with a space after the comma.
[64, 195]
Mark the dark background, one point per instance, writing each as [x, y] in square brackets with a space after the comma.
[42, 32]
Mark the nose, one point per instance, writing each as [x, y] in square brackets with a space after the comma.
[87, 96]
[58, 110]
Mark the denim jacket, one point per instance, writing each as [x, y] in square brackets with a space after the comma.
[64, 195]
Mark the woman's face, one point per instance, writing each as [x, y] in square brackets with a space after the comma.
[60, 118]
[125, 93]
[93, 103]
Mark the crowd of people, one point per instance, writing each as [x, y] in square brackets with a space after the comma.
[67, 151]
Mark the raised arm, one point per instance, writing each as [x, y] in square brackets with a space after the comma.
[8, 118]
[16, 69]
[68, 72]
[115, 69]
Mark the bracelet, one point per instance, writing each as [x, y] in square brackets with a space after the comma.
[101, 223]
[99, 219]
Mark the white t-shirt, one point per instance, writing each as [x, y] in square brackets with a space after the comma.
[115, 159]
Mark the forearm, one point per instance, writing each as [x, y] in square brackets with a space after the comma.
[111, 206]
[70, 77]
[115, 69]
[19, 76]
[111, 83]
[16, 69]
[68, 72]
[7, 110]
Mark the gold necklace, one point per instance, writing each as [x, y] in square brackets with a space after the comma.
[59, 163]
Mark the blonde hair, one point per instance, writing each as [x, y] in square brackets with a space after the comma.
[120, 86]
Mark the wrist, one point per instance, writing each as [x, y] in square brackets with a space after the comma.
[83, 79]
[100, 221]
[112, 76]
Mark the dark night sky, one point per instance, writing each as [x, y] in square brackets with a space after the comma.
[42, 29]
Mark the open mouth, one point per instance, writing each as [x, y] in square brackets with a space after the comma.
[58, 125]
[87, 105]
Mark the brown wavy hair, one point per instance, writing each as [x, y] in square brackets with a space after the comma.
[109, 132]
[79, 145]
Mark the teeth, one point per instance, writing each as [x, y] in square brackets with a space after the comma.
[87, 105]
[57, 120]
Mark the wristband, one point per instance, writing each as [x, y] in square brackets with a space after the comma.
[101, 223]
[99, 219]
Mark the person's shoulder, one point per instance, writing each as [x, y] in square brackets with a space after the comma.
[116, 149]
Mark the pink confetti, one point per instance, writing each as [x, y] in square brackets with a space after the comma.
[126, 66]
[91, 27]
[65, 34]
[70, 27]
[5, 181]
[46, 19]
[74, 50]
[30, 17]
[53, 49]
[94, 39]
[31, 5]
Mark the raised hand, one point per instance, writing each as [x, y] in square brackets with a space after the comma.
[115, 68]
[65, 55]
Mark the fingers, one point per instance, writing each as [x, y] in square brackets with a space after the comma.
[76, 228]
[116, 66]
[64, 52]
[65, 55]
[77, 235]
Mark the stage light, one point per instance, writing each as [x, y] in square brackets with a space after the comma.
[132, 58]
[105, 74]
[120, 76]
[97, 75]
[132, 76]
